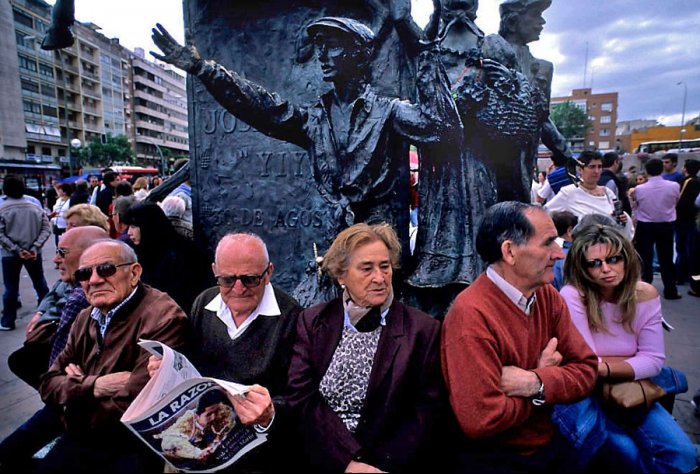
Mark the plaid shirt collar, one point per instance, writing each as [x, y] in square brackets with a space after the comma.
[104, 319]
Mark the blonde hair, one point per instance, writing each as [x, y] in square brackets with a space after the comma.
[337, 258]
[87, 214]
[577, 274]
[140, 183]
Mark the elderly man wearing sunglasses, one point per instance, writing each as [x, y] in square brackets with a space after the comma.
[243, 332]
[102, 368]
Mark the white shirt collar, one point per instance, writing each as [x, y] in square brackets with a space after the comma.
[268, 307]
[510, 291]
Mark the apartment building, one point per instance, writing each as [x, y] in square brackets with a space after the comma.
[602, 112]
[159, 119]
[87, 92]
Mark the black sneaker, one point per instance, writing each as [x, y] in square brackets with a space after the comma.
[673, 297]
[7, 328]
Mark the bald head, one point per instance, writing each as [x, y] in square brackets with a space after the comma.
[242, 242]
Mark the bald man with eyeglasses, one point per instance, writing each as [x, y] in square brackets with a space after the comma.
[244, 329]
[102, 368]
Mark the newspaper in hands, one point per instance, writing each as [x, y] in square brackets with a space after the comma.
[188, 419]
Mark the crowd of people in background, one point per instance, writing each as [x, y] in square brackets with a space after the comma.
[363, 383]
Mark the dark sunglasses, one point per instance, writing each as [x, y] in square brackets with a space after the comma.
[61, 252]
[103, 270]
[249, 281]
[611, 260]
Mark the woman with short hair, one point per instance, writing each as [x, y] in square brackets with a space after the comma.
[365, 376]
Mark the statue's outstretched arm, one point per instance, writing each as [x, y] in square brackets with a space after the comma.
[263, 110]
[183, 57]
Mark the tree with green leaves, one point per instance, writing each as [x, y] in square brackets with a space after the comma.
[571, 121]
[113, 150]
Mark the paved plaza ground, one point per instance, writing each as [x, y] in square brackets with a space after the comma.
[18, 401]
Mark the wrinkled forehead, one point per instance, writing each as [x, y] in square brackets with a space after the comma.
[100, 253]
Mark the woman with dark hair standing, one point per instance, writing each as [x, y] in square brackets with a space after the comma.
[169, 262]
[619, 316]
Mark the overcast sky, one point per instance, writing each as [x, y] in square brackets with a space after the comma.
[641, 49]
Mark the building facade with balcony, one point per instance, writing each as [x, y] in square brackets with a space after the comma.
[159, 118]
[602, 113]
[83, 92]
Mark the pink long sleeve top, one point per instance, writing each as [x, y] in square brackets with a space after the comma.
[644, 348]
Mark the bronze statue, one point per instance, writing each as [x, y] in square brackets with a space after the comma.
[499, 112]
[521, 24]
[356, 139]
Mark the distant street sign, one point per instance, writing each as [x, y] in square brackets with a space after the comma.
[63, 159]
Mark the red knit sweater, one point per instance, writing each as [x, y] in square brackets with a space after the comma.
[483, 332]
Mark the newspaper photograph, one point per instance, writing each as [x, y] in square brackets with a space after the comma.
[187, 419]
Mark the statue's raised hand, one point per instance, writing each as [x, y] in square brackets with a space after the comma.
[183, 57]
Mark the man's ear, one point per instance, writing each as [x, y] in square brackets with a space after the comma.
[507, 253]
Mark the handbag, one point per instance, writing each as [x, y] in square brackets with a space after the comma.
[627, 403]
[632, 394]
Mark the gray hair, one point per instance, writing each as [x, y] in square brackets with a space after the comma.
[173, 206]
[239, 237]
[126, 253]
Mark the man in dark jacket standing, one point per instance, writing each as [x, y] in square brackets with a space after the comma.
[687, 244]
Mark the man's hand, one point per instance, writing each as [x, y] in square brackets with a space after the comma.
[154, 364]
[255, 407]
[550, 356]
[184, 57]
[27, 255]
[32, 323]
[74, 371]
[517, 382]
[355, 466]
[109, 385]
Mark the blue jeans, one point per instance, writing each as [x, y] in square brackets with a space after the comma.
[11, 268]
[657, 445]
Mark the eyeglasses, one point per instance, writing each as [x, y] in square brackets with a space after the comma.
[103, 270]
[249, 281]
[62, 252]
[611, 260]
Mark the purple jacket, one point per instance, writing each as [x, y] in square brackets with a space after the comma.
[404, 398]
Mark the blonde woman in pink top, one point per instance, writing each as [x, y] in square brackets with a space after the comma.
[619, 316]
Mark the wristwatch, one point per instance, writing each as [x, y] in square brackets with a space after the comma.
[538, 399]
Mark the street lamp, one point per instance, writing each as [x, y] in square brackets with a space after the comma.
[163, 164]
[685, 96]
[74, 143]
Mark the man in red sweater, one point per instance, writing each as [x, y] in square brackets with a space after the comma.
[510, 350]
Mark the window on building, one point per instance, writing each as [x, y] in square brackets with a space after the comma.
[603, 145]
[22, 18]
[606, 106]
[604, 132]
[46, 70]
[48, 90]
[50, 111]
[41, 26]
[27, 63]
[30, 86]
[46, 151]
[605, 119]
[31, 107]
